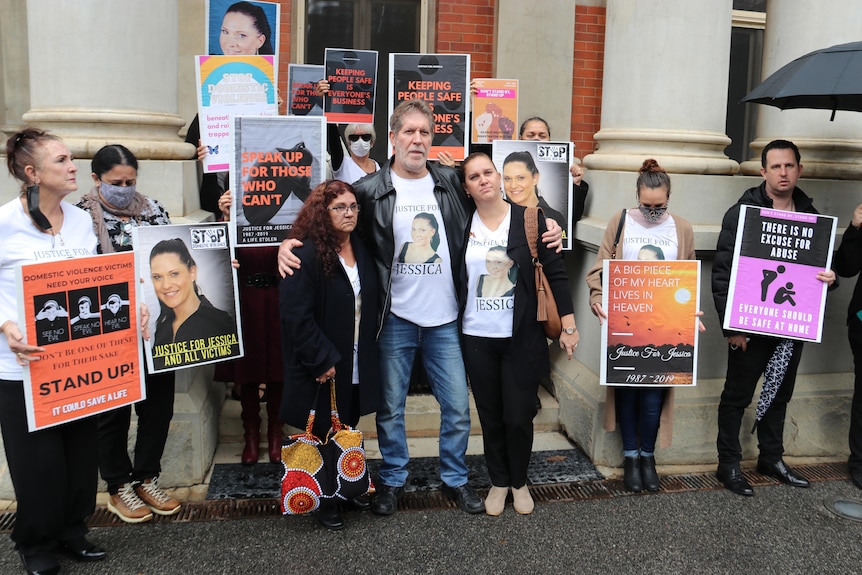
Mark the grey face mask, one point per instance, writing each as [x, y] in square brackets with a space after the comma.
[117, 196]
[652, 215]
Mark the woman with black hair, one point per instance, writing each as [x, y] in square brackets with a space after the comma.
[116, 207]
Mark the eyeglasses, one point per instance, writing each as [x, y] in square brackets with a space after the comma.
[355, 137]
[342, 209]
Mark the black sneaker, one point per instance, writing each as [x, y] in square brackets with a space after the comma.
[466, 497]
[386, 500]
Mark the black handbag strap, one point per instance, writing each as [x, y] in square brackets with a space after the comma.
[619, 234]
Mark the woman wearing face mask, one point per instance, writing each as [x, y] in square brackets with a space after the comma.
[360, 139]
[639, 410]
[116, 207]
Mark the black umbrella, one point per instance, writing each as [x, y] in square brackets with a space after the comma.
[828, 79]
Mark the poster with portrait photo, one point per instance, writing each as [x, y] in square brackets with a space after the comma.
[552, 183]
[352, 77]
[84, 369]
[190, 288]
[650, 337]
[443, 81]
[277, 162]
[773, 286]
[229, 86]
[302, 100]
[232, 33]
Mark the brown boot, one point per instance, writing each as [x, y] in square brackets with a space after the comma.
[250, 423]
[275, 432]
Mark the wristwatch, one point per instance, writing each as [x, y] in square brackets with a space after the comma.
[570, 330]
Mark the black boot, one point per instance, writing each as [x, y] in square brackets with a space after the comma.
[648, 473]
[329, 517]
[632, 474]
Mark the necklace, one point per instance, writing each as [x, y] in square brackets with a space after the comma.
[57, 236]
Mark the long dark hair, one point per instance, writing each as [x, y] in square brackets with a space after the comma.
[315, 223]
[177, 247]
[261, 24]
[112, 155]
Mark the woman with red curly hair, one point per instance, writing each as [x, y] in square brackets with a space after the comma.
[328, 313]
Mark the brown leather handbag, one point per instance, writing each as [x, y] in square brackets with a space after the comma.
[546, 310]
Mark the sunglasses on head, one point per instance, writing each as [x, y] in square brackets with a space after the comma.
[355, 137]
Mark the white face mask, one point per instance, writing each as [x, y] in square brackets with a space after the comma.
[360, 148]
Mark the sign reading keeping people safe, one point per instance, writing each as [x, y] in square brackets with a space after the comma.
[84, 312]
[773, 285]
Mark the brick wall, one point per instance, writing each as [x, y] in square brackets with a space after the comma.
[284, 50]
[587, 77]
[467, 27]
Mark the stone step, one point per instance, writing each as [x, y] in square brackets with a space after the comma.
[423, 419]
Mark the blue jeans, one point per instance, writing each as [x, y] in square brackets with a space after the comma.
[638, 412]
[441, 356]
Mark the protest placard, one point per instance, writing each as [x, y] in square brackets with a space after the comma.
[228, 86]
[651, 333]
[443, 81]
[773, 286]
[495, 110]
[352, 77]
[244, 30]
[551, 185]
[84, 312]
[302, 100]
[190, 289]
[276, 164]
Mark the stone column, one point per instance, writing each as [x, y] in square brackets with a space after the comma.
[106, 71]
[665, 86]
[794, 28]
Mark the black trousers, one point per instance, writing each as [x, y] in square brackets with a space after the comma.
[506, 404]
[54, 473]
[154, 419]
[854, 334]
[744, 369]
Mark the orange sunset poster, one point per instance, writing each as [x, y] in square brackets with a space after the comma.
[650, 336]
[83, 312]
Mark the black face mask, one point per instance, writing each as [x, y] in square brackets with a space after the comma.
[33, 206]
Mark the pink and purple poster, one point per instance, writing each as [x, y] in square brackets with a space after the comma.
[773, 285]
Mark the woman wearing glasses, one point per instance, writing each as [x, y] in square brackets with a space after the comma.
[648, 232]
[116, 207]
[328, 311]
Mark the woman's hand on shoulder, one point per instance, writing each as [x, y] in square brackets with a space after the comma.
[287, 260]
[553, 237]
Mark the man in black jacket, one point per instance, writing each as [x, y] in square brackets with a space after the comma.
[848, 263]
[749, 354]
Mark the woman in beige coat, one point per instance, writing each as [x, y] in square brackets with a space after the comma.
[648, 232]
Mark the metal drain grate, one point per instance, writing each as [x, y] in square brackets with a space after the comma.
[227, 509]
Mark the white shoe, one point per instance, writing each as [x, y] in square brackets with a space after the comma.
[496, 500]
[523, 500]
